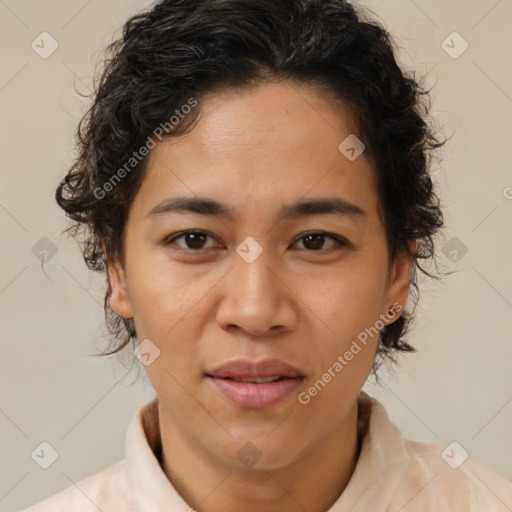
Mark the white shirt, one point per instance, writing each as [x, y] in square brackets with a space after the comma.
[392, 474]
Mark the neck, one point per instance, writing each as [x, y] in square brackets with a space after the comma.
[312, 482]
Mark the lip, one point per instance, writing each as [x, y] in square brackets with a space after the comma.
[246, 369]
[251, 395]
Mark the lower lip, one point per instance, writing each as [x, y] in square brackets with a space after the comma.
[256, 396]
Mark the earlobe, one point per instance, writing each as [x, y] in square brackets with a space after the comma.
[400, 280]
[119, 300]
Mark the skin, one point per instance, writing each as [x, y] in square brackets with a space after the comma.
[256, 150]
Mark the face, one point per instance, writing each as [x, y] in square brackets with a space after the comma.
[245, 275]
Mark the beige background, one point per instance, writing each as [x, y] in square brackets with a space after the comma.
[459, 385]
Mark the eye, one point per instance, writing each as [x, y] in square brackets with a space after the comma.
[315, 241]
[194, 240]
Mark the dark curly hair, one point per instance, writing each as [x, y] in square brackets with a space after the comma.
[183, 49]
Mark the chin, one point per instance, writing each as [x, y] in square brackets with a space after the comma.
[260, 453]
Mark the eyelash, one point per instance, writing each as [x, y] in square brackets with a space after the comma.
[342, 243]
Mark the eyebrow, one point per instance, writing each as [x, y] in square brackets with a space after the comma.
[299, 208]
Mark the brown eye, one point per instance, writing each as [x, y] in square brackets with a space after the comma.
[194, 240]
[315, 241]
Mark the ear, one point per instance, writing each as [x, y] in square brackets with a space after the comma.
[119, 300]
[399, 281]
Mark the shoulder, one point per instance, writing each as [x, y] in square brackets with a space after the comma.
[428, 476]
[413, 475]
[106, 490]
[445, 477]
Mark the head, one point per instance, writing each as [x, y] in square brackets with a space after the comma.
[254, 181]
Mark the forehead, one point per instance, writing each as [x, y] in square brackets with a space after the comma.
[274, 141]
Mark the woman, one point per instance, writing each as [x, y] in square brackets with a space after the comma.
[253, 179]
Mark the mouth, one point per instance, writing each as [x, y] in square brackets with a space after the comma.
[254, 380]
[255, 385]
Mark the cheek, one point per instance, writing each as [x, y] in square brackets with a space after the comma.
[158, 294]
[348, 310]
[349, 298]
[345, 356]
[171, 307]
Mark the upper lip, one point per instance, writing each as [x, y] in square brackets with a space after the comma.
[247, 369]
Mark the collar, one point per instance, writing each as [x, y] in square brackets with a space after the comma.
[152, 489]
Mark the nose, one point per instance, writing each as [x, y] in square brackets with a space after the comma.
[257, 299]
